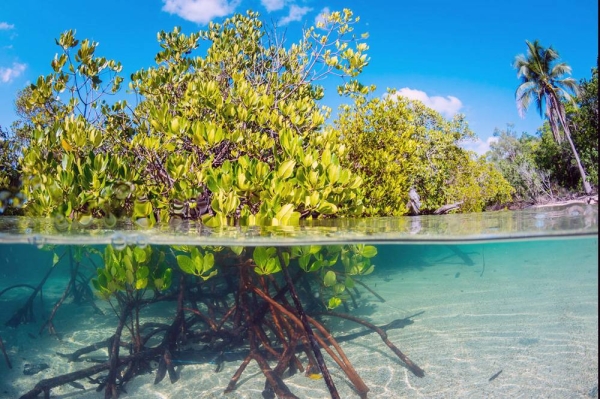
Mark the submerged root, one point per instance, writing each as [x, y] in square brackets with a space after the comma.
[6, 358]
[416, 370]
[257, 318]
[25, 313]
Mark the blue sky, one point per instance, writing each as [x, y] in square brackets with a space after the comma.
[456, 56]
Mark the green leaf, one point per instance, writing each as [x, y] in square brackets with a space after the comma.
[167, 278]
[369, 270]
[326, 208]
[286, 169]
[142, 272]
[334, 302]
[141, 208]
[237, 250]
[369, 251]
[185, 264]
[339, 288]
[313, 249]
[140, 255]
[303, 261]
[330, 278]
[260, 256]
[85, 220]
[209, 262]
[212, 274]
[127, 262]
[285, 213]
[286, 258]
[141, 284]
[129, 277]
[349, 282]
[273, 266]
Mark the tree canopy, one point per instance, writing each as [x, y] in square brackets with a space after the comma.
[229, 137]
[540, 168]
[396, 144]
[228, 129]
[543, 82]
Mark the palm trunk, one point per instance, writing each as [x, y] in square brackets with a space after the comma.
[586, 184]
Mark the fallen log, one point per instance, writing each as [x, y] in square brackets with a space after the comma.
[447, 208]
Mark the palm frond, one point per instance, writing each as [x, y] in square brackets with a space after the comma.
[549, 55]
[569, 85]
[543, 82]
[524, 95]
[560, 69]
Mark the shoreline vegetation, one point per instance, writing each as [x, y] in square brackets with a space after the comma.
[571, 199]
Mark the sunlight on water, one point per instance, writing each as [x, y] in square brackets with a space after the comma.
[559, 221]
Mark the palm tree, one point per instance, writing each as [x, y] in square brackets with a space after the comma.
[543, 82]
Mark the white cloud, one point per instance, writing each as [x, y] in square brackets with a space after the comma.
[6, 26]
[7, 75]
[200, 11]
[273, 5]
[447, 106]
[296, 14]
[479, 146]
[321, 18]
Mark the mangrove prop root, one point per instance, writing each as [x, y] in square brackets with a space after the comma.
[255, 313]
[12, 287]
[238, 374]
[111, 390]
[49, 383]
[71, 283]
[347, 366]
[74, 357]
[25, 313]
[370, 290]
[308, 330]
[341, 360]
[274, 381]
[241, 304]
[166, 365]
[6, 358]
[203, 317]
[416, 370]
[318, 341]
[169, 342]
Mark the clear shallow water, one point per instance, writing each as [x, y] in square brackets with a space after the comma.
[512, 292]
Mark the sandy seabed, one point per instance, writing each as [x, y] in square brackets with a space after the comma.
[529, 310]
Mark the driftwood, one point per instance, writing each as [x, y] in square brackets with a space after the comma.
[447, 208]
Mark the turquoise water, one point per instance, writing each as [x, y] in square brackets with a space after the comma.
[490, 305]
